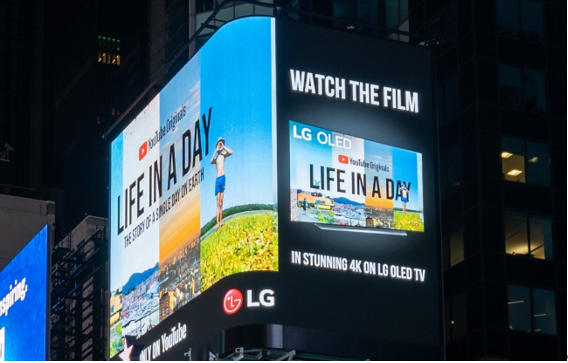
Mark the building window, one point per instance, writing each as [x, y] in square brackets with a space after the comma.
[451, 170]
[451, 99]
[528, 235]
[444, 27]
[522, 88]
[532, 310]
[456, 318]
[520, 17]
[396, 17]
[453, 245]
[525, 161]
[204, 5]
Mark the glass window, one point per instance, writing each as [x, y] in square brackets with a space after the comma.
[508, 16]
[458, 317]
[531, 18]
[204, 5]
[519, 308]
[451, 99]
[516, 234]
[450, 27]
[396, 11]
[344, 9]
[544, 311]
[513, 159]
[540, 237]
[520, 17]
[451, 170]
[528, 235]
[534, 90]
[510, 85]
[525, 161]
[456, 246]
[538, 163]
[532, 310]
[453, 244]
[434, 30]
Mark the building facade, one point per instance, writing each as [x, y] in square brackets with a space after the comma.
[500, 81]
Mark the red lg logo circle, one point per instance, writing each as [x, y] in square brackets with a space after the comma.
[233, 301]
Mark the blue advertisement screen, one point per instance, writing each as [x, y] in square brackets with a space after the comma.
[199, 163]
[23, 311]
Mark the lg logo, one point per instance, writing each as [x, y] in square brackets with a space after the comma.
[233, 300]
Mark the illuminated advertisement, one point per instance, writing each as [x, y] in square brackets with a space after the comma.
[348, 181]
[23, 303]
[285, 178]
[193, 184]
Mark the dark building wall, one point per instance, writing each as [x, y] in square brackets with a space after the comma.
[101, 67]
[21, 96]
[479, 112]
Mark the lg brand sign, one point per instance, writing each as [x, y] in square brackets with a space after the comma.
[234, 300]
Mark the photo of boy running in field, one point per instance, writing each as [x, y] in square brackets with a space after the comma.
[221, 153]
[404, 197]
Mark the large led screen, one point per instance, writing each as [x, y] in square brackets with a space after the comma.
[23, 303]
[286, 176]
[348, 181]
[193, 183]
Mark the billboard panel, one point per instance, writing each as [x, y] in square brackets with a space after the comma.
[23, 303]
[332, 130]
[193, 184]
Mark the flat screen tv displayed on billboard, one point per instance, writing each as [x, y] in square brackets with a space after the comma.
[285, 175]
[23, 303]
[344, 180]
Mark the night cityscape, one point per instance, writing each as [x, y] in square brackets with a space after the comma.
[113, 112]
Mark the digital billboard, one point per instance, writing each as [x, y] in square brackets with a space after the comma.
[310, 201]
[23, 303]
[193, 184]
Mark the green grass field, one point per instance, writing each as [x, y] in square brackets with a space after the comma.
[244, 243]
[116, 338]
[408, 221]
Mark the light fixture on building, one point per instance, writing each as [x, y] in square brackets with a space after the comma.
[514, 172]
[506, 155]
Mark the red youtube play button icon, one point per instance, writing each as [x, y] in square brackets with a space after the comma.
[143, 150]
[343, 159]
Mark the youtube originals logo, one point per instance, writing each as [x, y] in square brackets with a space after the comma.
[143, 151]
[343, 159]
[233, 300]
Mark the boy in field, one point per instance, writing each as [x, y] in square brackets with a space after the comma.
[221, 153]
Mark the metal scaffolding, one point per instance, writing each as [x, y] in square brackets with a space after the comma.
[78, 298]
